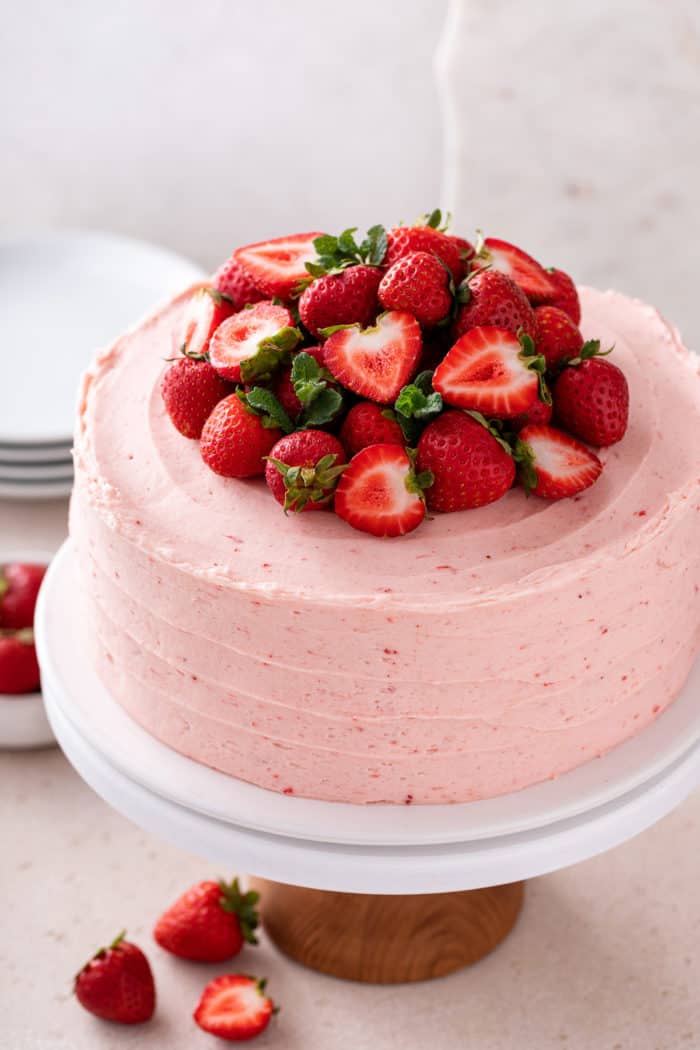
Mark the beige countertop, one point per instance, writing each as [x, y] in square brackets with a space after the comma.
[604, 956]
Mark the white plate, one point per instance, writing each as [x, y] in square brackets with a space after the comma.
[34, 455]
[29, 490]
[36, 472]
[97, 717]
[64, 296]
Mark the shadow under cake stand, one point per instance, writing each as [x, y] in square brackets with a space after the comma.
[372, 893]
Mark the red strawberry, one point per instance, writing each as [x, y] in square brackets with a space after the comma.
[375, 362]
[235, 441]
[591, 399]
[380, 493]
[348, 297]
[190, 389]
[565, 296]
[232, 280]
[557, 336]
[235, 1008]
[283, 387]
[494, 299]
[470, 466]
[517, 264]
[369, 424]
[556, 465]
[490, 371]
[402, 240]
[209, 923]
[19, 588]
[204, 313]
[538, 412]
[238, 339]
[277, 266]
[419, 283]
[117, 984]
[466, 252]
[19, 670]
[303, 469]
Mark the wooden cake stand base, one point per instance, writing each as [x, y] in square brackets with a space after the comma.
[387, 939]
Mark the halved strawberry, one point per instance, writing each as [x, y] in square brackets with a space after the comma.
[380, 492]
[242, 336]
[554, 464]
[204, 313]
[277, 266]
[490, 370]
[234, 1007]
[521, 267]
[375, 362]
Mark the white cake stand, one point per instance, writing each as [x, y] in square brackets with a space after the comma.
[379, 893]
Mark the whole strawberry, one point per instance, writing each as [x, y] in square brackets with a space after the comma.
[347, 297]
[403, 240]
[564, 295]
[470, 466]
[235, 440]
[209, 923]
[494, 299]
[235, 1008]
[369, 424]
[19, 670]
[117, 984]
[538, 412]
[591, 400]
[236, 283]
[558, 338]
[466, 252]
[190, 390]
[419, 283]
[19, 588]
[303, 469]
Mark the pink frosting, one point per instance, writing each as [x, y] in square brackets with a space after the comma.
[484, 652]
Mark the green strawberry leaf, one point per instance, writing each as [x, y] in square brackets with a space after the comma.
[265, 404]
[525, 460]
[271, 354]
[334, 254]
[324, 408]
[416, 405]
[494, 427]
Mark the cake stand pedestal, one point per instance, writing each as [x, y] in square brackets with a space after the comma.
[377, 893]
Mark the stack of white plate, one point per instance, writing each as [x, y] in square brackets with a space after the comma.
[62, 297]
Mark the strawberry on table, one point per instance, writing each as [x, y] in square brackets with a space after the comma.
[380, 493]
[251, 344]
[491, 371]
[375, 362]
[470, 464]
[190, 390]
[553, 464]
[426, 236]
[303, 469]
[204, 313]
[564, 295]
[591, 398]
[235, 1008]
[19, 670]
[19, 588]
[235, 440]
[557, 336]
[369, 424]
[419, 283]
[492, 298]
[210, 922]
[347, 297]
[117, 984]
[233, 281]
[517, 264]
[276, 267]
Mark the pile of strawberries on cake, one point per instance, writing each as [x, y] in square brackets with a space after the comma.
[405, 371]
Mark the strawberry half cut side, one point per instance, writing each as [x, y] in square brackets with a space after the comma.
[519, 266]
[234, 1007]
[204, 313]
[554, 464]
[257, 336]
[380, 493]
[492, 371]
[375, 362]
[277, 266]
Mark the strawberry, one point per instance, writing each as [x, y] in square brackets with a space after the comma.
[557, 336]
[518, 265]
[470, 465]
[419, 283]
[591, 399]
[554, 464]
[283, 384]
[235, 440]
[117, 984]
[380, 493]
[347, 297]
[209, 923]
[234, 1007]
[538, 412]
[249, 344]
[277, 266]
[204, 313]
[565, 296]
[369, 424]
[19, 670]
[375, 362]
[492, 298]
[190, 389]
[19, 588]
[233, 281]
[491, 371]
[403, 240]
[303, 469]
[466, 252]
